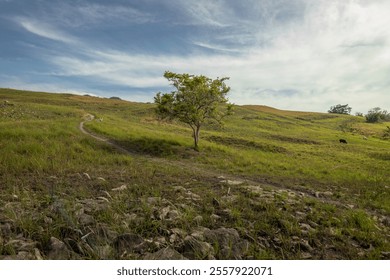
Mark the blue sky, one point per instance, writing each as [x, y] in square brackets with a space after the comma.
[291, 54]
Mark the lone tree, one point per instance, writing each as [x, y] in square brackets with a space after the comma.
[197, 100]
[340, 109]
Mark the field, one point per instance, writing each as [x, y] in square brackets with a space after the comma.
[270, 184]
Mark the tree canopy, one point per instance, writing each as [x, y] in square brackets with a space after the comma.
[340, 109]
[196, 101]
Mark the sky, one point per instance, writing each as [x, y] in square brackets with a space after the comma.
[303, 55]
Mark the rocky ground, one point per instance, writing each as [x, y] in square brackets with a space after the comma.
[236, 220]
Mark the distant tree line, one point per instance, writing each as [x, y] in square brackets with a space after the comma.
[374, 115]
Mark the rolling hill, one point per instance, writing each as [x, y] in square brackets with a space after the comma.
[270, 184]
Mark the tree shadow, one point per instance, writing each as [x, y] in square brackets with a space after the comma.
[151, 146]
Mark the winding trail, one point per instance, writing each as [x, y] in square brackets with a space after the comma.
[89, 118]
[245, 182]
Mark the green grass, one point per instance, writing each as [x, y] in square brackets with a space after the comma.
[49, 170]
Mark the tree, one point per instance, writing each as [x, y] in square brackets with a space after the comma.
[197, 100]
[340, 109]
[377, 115]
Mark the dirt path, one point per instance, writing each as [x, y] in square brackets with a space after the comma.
[89, 118]
[228, 178]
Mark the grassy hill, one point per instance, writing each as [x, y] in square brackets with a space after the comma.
[271, 184]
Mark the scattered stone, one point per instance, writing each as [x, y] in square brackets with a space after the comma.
[22, 255]
[169, 214]
[179, 189]
[129, 243]
[306, 256]
[58, 250]
[198, 219]
[48, 220]
[193, 196]
[214, 218]
[385, 255]
[121, 188]
[92, 205]
[86, 220]
[327, 193]
[228, 240]
[232, 182]
[165, 254]
[305, 246]
[195, 249]
[37, 254]
[305, 227]
[179, 232]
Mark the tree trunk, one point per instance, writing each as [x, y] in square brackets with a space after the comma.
[196, 137]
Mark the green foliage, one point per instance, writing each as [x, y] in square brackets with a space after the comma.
[340, 109]
[377, 115]
[196, 101]
[386, 133]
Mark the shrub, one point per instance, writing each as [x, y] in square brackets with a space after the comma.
[376, 115]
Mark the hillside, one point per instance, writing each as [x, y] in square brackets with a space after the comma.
[270, 184]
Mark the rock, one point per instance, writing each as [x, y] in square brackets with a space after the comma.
[129, 243]
[86, 220]
[214, 218]
[92, 205]
[169, 214]
[228, 241]
[232, 182]
[305, 246]
[22, 255]
[165, 254]
[306, 256]
[121, 188]
[37, 254]
[179, 189]
[195, 249]
[160, 242]
[58, 250]
[199, 233]
[385, 255]
[327, 193]
[21, 244]
[198, 219]
[305, 227]
[193, 196]
[48, 220]
[179, 232]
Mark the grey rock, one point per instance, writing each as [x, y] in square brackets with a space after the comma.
[129, 243]
[167, 213]
[165, 254]
[58, 250]
[195, 249]
[86, 220]
[228, 241]
[198, 219]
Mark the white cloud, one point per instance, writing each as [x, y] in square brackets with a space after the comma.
[46, 31]
[328, 52]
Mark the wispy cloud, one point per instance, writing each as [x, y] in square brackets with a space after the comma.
[44, 30]
[297, 54]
